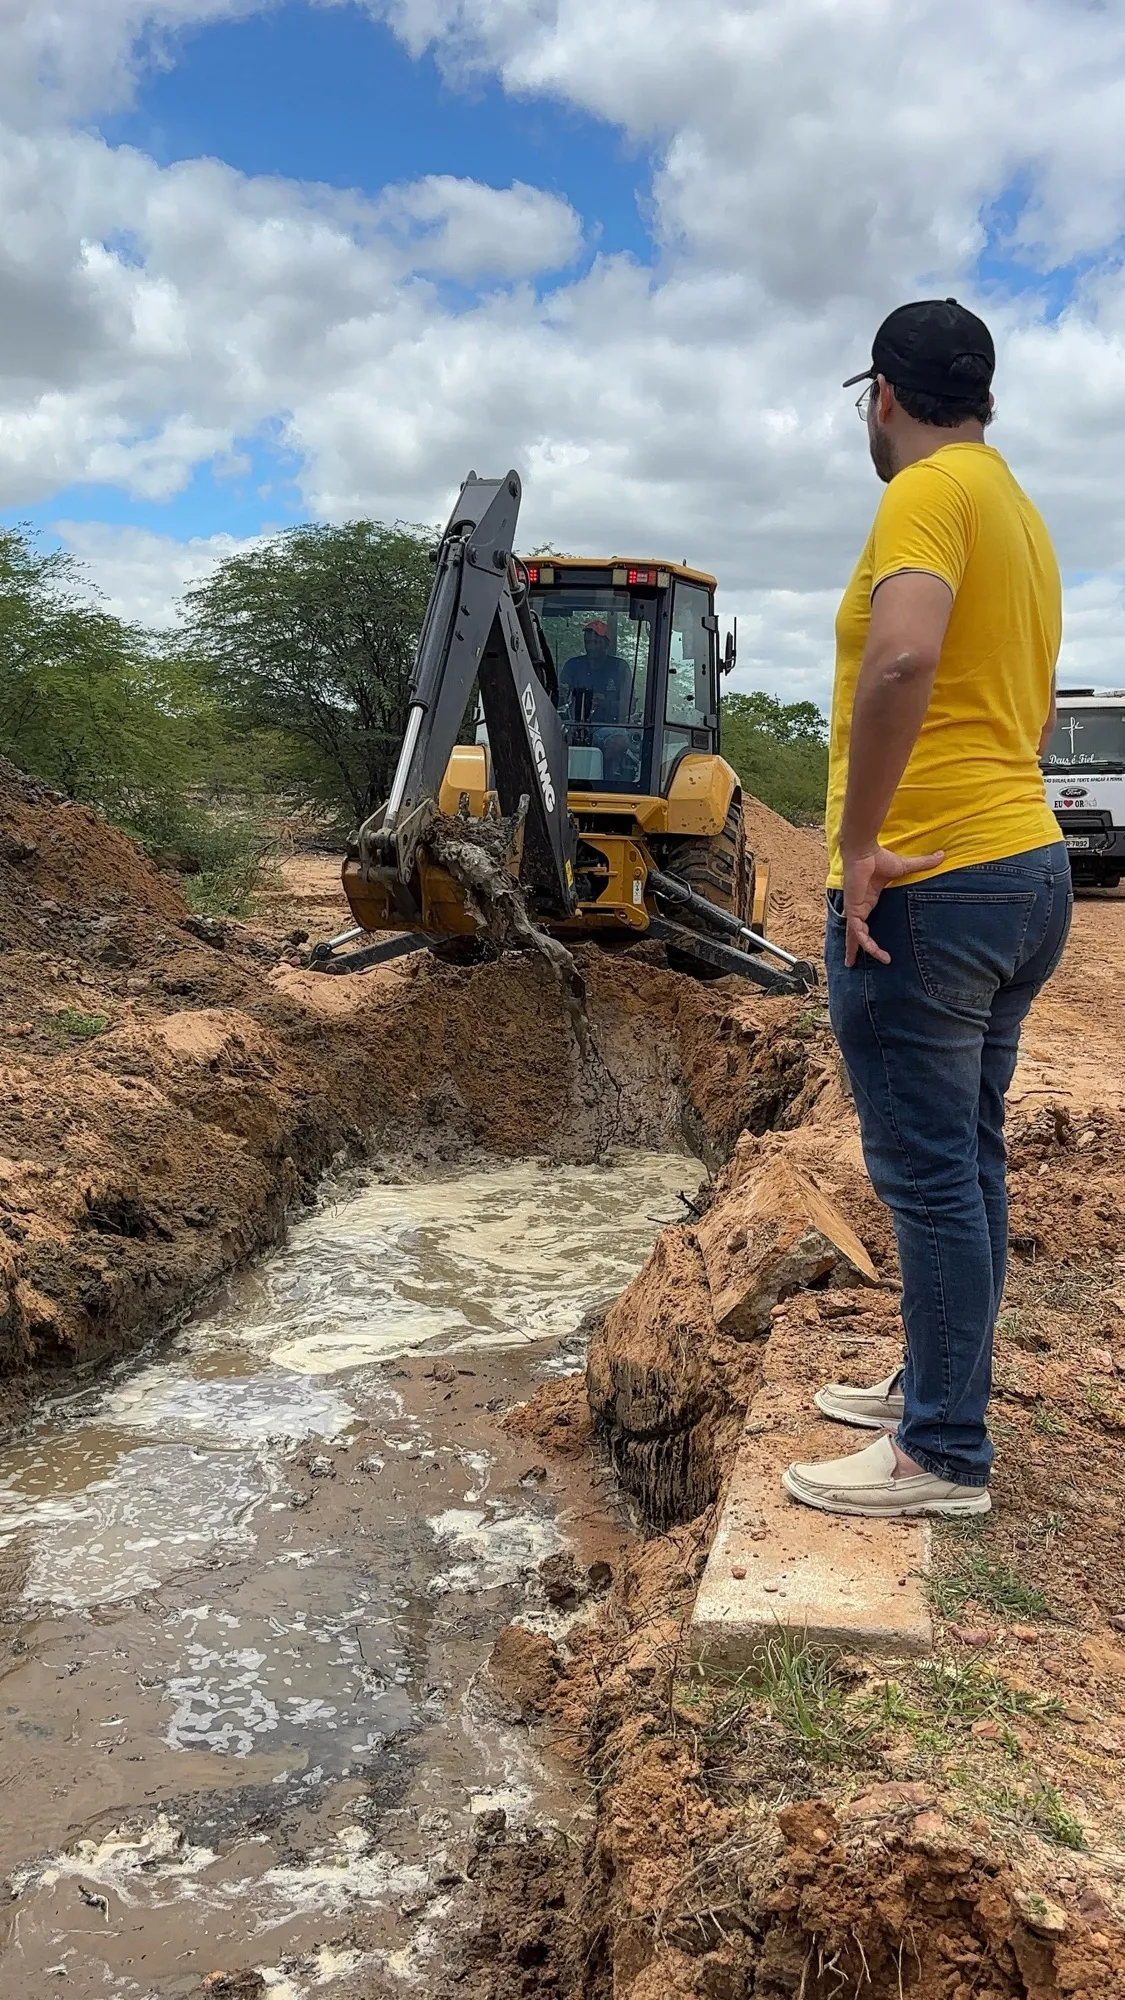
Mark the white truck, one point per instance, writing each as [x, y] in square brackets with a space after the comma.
[1084, 769]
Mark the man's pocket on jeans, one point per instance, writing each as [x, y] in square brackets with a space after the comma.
[965, 944]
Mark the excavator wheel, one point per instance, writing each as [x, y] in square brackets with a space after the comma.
[722, 869]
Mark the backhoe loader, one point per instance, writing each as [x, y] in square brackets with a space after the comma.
[596, 762]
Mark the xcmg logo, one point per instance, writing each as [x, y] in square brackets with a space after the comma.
[537, 749]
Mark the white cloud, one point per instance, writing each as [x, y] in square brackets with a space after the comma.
[139, 575]
[816, 161]
[460, 229]
[829, 144]
[1094, 622]
[68, 58]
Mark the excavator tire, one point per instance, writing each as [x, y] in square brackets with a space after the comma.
[721, 869]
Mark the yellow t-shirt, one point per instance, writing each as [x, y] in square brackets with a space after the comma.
[972, 786]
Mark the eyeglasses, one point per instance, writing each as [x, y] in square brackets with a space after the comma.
[863, 401]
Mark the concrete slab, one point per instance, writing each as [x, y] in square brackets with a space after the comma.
[775, 1565]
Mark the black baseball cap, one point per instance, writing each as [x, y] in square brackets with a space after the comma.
[934, 346]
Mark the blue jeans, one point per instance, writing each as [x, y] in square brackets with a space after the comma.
[930, 1045]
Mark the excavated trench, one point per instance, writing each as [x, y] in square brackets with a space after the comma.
[259, 1575]
[250, 1583]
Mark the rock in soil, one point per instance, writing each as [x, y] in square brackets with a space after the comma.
[522, 1672]
[565, 1583]
[767, 1238]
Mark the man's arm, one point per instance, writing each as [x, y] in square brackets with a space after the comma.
[909, 615]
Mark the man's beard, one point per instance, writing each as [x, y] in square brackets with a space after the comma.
[882, 453]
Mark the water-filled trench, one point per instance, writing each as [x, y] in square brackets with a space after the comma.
[248, 1587]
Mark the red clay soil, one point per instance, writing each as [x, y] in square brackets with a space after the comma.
[170, 1091]
[798, 861]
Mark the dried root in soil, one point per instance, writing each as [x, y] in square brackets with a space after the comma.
[478, 854]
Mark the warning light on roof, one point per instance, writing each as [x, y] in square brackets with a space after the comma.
[533, 572]
[642, 576]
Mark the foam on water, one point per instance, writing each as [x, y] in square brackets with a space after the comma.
[492, 1259]
[490, 1549]
[172, 1462]
[162, 1508]
[173, 1401]
[291, 1678]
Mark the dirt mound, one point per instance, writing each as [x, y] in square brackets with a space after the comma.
[557, 1418]
[798, 862]
[884, 1897]
[666, 1388]
[737, 1851]
[528, 1937]
[62, 866]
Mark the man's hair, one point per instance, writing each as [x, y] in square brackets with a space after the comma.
[946, 412]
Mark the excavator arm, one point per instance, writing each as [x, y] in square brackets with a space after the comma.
[479, 627]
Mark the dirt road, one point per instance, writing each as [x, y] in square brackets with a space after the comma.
[1074, 1043]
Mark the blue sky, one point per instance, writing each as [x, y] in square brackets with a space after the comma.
[328, 94]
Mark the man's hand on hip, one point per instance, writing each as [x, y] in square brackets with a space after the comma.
[865, 877]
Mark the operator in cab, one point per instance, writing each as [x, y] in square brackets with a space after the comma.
[594, 684]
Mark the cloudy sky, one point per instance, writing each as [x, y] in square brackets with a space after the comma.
[262, 263]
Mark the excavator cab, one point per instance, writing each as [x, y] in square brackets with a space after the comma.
[634, 647]
[636, 652]
[598, 757]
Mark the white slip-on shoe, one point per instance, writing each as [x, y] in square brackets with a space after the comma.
[876, 1409]
[865, 1483]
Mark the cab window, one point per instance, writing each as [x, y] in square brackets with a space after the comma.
[690, 672]
[601, 641]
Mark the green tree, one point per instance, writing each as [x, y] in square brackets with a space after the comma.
[780, 751]
[309, 643]
[119, 717]
[86, 701]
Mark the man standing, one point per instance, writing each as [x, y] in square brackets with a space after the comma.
[949, 889]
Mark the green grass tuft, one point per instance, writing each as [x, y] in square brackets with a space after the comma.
[975, 1576]
[805, 1694]
[68, 1022]
[1051, 1817]
[1042, 1811]
[966, 1691]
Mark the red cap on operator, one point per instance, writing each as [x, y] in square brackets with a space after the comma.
[597, 625]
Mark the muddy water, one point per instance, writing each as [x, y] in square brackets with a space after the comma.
[249, 1588]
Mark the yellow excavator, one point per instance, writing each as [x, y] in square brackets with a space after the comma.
[594, 688]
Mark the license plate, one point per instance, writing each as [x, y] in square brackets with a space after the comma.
[1077, 839]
